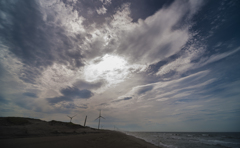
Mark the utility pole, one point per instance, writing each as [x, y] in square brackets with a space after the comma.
[85, 121]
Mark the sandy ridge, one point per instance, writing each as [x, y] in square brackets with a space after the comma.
[35, 133]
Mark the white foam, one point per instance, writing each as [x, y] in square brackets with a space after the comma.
[167, 146]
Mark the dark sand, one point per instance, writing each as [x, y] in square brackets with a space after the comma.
[41, 134]
[108, 139]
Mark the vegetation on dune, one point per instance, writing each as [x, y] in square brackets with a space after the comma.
[17, 120]
[69, 124]
[24, 121]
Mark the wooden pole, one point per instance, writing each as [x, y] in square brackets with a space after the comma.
[85, 121]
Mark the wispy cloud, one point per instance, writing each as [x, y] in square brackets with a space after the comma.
[174, 61]
[187, 62]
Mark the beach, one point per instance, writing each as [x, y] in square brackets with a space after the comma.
[29, 133]
[104, 139]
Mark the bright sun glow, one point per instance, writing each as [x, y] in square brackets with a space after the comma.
[114, 69]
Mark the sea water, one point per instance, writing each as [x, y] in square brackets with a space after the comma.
[190, 140]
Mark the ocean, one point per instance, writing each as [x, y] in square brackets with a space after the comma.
[190, 140]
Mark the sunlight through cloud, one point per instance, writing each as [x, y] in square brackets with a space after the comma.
[110, 67]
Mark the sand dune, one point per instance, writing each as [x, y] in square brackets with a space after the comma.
[34, 133]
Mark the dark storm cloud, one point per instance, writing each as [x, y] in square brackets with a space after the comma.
[33, 41]
[69, 94]
[29, 94]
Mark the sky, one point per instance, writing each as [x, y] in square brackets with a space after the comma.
[148, 65]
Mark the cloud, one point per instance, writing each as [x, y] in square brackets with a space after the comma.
[2, 71]
[29, 94]
[157, 37]
[41, 37]
[69, 94]
[75, 92]
[121, 19]
[192, 58]
[59, 99]
[162, 99]
[119, 100]
[66, 106]
[101, 10]
[58, 30]
[106, 2]
[58, 76]
[84, 106]
[57, 54]
[2, 100]
[174, 89]
[82, 84]
[143, 90]
[184, 62]
[23, 27]
[166, 92]
[216, 57]
[184, 100]
[72, 1]
[111, 68]
[127, 98]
